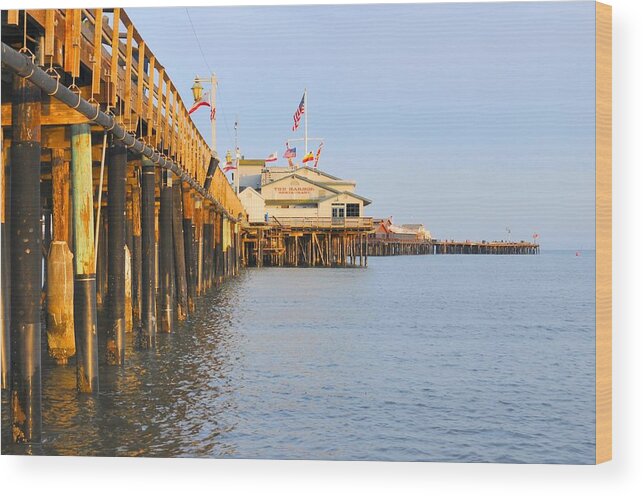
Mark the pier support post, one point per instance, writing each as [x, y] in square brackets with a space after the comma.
[148, 256]
[84, 264]
[116, 188]
[188, 242]
[26, 238]
[5, 273]
[136, 251]
[129, 314]
[166, 254]
[179, 253]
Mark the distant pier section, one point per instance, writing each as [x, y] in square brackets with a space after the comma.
[391, 247]
[388, 239]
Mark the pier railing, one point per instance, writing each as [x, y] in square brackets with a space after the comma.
[359, 223]
[100, 55]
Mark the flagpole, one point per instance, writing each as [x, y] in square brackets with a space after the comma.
[213, 114]
[305, 122]
[236, 155]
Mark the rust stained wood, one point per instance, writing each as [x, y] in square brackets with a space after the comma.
[140, 82]
[603, 233]
[150, 98]
[49, 33]
[98, 52]
[13, 17]
[54, 113]
[175, 133]
[128, 77]
[113, 73]
[159, 107]
[167, 129]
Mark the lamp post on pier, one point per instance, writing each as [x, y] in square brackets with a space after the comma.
[197, 93]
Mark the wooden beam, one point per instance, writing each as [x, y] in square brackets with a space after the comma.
[13, 17]
[113, 74]
[98, 51]
[128, 78]
[603, 233]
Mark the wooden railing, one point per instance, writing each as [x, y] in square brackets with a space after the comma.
[361, 223]
[124, 77]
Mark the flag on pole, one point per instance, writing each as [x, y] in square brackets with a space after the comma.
[229, 164]
[272, 157]
[308, 157]
[318, 154]
[299, 112]
[204, 101]
[290, 152]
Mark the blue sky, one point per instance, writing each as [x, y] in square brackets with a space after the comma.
[470, 118]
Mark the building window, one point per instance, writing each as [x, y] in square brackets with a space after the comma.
[352, 210]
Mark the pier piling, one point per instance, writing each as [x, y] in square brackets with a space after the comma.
[85, 325]
[166, 254]
[26, 257]
[148, 255]
[116, 187]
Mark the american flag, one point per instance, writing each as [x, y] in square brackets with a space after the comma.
[290, 152]
[299, 112]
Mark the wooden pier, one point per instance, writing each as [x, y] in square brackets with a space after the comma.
[308, 242]
[391, 247]
[108, 185]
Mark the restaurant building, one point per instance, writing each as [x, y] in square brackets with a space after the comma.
[285, 194]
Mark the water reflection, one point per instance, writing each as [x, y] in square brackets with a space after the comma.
[164, 402]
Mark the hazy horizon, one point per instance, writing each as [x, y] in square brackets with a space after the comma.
[469, 118]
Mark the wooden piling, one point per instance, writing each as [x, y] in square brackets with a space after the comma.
[137, 262]
[179, 254]
[84, 266]
[116, 189]
[166, 255]
[188, 242]
[147, 338]
[60, 302]
[5, 273]
[129, 314]
[26, 238]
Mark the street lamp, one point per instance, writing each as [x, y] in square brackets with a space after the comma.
[197, 89]
[197, 93]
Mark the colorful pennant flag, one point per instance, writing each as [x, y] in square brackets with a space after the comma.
[204, 101]
[290, 152]
[308, 157]
[272, 157]
[299, 112]
[318, 154]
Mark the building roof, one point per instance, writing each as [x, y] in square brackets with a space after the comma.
[415, 227]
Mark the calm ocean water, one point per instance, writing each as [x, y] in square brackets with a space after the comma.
[441, 358]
